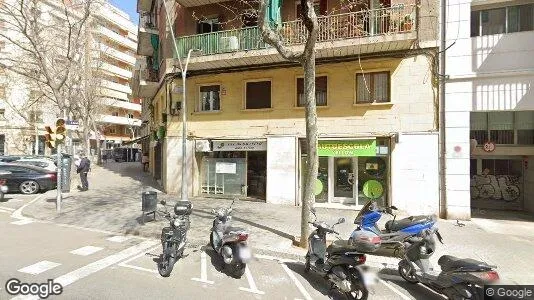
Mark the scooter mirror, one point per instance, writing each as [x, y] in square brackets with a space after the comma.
[163, 202]
[341, 220]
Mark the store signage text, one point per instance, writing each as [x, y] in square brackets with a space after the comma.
[347, 148]
[239, 145]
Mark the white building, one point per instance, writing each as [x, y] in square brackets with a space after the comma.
[489, 106]
[113, 39]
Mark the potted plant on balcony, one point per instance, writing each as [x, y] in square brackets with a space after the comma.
[406, 24]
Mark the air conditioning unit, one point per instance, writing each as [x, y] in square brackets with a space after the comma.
[229, 43]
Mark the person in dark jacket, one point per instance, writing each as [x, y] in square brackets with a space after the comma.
[83, 168]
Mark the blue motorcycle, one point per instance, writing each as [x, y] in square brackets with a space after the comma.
[396, 231]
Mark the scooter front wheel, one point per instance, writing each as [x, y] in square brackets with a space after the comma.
[307, 265]
[406, 273]
[165, 265]
[238, 269]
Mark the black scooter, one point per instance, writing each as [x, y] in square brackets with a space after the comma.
[459, 279]
[230, 242]
[174, 237]
[340, 263]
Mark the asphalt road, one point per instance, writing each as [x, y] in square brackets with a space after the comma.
[93, 264]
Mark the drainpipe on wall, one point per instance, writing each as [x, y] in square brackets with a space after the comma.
[442, 78]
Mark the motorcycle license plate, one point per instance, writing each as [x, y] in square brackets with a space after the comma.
[3, 188]
[245, 254]
[369, 278]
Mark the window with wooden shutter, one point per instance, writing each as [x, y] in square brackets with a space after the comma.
[321, 91]
[258, 95]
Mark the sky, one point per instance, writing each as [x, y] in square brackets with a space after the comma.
[128, 6]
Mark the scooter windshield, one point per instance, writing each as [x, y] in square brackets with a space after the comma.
[370, 206]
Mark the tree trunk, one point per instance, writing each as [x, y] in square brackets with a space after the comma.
[311, 145]
[98, 148]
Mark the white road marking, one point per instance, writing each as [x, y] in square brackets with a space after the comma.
[22, 222]
[139, 268]
[7, 208]
[96, 266]
[119, 238]
[203, 270]
[269, 257]
[297, 283]
[252, 285]
[395, 290]
[39, 267]
[5, 211]
[87, 250]
[139, 255]
[17, 214]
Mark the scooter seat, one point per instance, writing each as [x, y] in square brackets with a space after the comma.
[406, 222]
[233, 229]
[340, 246]
[451, 263]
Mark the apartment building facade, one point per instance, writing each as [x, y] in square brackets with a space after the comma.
[113, 40]
[489, 106]
[376, 103]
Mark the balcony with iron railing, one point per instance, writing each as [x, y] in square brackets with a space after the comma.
[377, 30]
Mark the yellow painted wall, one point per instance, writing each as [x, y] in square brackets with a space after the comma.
[411, 109]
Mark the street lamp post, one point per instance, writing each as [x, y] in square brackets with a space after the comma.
[183, 69]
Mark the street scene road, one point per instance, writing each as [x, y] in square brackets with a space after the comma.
[95, 264]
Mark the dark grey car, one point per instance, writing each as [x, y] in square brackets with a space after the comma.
[28, 179]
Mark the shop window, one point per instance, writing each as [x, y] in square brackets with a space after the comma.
[502, 20]
[525, 137]
[372, 87]
[209, 98]
[258, 95]
[321, 89]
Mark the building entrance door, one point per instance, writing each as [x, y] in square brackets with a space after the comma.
[343, 179]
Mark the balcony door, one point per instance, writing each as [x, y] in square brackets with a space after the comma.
[208, 25]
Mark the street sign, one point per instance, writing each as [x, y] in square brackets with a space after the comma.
[72, 125]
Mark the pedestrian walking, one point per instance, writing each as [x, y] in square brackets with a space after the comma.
[83, 168]
[145, 162]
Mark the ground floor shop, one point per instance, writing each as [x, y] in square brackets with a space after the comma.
[399, 170]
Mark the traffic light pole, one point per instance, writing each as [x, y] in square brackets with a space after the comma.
[59, 171]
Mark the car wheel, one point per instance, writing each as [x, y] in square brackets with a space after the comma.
[29, 187]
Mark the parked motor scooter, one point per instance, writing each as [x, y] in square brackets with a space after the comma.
[230, 242]
[339, 263]
[458, 279]
[396, 231]
[174, 237]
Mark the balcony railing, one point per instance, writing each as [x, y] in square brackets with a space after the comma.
[383, 21]
[149, 74]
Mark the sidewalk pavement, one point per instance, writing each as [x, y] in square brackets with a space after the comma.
[113, 203]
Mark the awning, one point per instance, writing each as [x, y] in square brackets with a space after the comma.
[136, 140]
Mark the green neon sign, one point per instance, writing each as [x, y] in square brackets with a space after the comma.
[347, 148]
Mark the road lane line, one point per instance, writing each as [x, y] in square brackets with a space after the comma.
[297, 283]
[17, 214]
[203, 270]
[5, 211]
[119, 238]
[96, 266]
[85, 251]
[39, 267]
[139, 255]
[22, 222]
[395, 290]
[138, 268]
[269, 257]
[252, 285]
[7, 208]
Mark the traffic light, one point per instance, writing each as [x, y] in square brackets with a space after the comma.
[49, 136]
[60, 130]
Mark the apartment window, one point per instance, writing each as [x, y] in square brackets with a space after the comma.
[2, 114]
[318, 5]
[502, 20]
[115, 114]
[503, 166]
[130, 116]
[209, 98]
[321, 84]
[525, 137]
[372, 87]
[35, 116]
[258, 95]
[208, 25]
[112, 130]
[250, 18]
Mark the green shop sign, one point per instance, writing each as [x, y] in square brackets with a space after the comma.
[347, 148]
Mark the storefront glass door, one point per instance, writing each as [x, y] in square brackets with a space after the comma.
[343, 179]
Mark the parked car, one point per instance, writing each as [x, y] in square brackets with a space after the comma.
[38, 162]
[28, 179]
[3, 186]
[9, 158]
